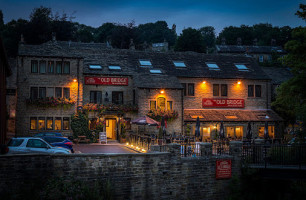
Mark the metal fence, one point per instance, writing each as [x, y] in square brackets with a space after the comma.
[276, 156]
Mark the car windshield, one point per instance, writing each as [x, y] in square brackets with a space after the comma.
[15, 142]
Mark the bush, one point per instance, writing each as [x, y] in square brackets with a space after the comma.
[79, 125]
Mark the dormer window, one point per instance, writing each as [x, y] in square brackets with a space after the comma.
[179, 64]
[155, 71]
[213, 66]
[95, 67]
[242, 67]
[113, 67]
[145, 63]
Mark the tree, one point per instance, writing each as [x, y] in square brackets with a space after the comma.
[104, 32]
[190, 40]
[209, 37]
[302, 13]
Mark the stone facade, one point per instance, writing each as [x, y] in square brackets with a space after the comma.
[132, 176]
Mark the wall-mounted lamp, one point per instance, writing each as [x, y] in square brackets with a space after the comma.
[204, 82]
[162, 91]
[239, 82]
[75, 80]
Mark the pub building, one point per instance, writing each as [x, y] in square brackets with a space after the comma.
[117, 86]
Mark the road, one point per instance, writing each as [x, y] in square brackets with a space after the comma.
[98, 148]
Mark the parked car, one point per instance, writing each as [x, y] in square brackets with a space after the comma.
[25, 145]
[59, 142]
[48, 134]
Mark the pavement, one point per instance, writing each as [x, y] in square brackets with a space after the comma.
[102, 148]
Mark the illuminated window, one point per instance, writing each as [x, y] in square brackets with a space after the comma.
[213, 66]
[241, 67]
[145, 63]
[179, 64]
[114, 67]
[58, 123]
[33, 123]
[152, 105]
[239, 131]
[42, 67]
[95, 67]
[206, 131]
[169, 105]
[34, 66]
[41, 123]
[155, 71]
[234, 131]
[66, 123]
[230, 132]
[49, 123]
[161, 103]
[230, 117]
[261, 131]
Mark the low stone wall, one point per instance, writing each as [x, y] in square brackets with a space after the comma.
[132, 176]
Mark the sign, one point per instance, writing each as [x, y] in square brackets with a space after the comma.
[106, 81]
[223, 169]
[223, 103]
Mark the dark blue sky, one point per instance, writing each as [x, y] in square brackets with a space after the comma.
[183, 13]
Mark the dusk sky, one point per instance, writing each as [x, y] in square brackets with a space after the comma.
[183, 13]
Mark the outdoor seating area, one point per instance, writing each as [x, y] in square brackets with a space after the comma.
[81, 139]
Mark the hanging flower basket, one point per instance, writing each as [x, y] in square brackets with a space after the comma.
[51, 102]
[169, 115]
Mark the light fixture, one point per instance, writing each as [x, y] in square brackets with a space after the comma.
[75, 80]
[162, 91]
[204, 82]
[239, 82]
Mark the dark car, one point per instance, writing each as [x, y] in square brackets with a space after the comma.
[48, 134]
[59, 142]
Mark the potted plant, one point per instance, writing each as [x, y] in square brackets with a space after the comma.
[123, 135]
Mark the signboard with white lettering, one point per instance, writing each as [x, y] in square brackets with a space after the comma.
[223, 169]
[223, 103]
[106, 81]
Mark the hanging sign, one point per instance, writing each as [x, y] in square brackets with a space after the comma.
[223, 169]
[223, 103]
[106, 81]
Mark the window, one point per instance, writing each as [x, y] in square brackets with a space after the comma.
[34, 93]
[179, 64]
[49, 123]
[185, 87]
[41, 123]
[51, 67]
[42, 92]
[261, 58]
[223, 90]
[58, 123]
[230, 116]
[145, 63]
[161, 103]
[14, 142]
[11, 92]
[220, 89]
[155, 71]
[58, 67]
[35, 143]
[213, 66]
[190, 89]
[239, 131]
[117, 97]
[169, 105]
[58, 92]
[216, 90]
[95, 67]
[42, 67]
[33, 122]
[66, 69]
[67, 93]
[152, 105]
[96, 97]
[34, 66]
[66, 123]
[114, 67]
[50, 92]
[261, 131]
[241, 67]
[251, 91]
[206, 132]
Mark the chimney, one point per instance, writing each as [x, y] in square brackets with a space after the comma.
[132, 45]
[273, 42]
[223, 41]
[21, 39]
[53, 36]
[239, 41]
[255, 42]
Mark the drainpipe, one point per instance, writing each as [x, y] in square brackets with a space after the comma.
[78, 77]
[182, 124]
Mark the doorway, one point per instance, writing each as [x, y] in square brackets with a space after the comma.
[111, 129]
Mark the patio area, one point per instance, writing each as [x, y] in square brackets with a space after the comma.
[102, 148]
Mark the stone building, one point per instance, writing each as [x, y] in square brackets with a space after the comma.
[117, 86]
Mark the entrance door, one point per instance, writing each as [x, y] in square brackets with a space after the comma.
[110, 129]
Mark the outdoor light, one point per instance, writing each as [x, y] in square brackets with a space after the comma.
[75, 80]
[127, 143]
[214, 127]
[239, 82]
[204, 82]
[162, 91]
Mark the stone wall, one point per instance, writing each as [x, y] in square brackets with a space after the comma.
[132, 176]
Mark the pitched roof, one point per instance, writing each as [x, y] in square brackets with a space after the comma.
[208, 115]
[278, 74]
[249, 49]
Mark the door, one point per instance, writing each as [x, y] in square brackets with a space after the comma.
[110, 129]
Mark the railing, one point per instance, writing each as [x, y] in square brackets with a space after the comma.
[276, 156]
[220, 147]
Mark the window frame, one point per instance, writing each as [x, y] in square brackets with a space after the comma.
[41, 62]
[189, 92]
[47, 120]
[36, 123]
[216, 90]
[116, 93]
[33, 66]
[66, 119]
[50, 67]
[66, 92]
[253, 92]
[65, 64]
[179, 64]
[58, 64]
[93, 96]
[213, 66]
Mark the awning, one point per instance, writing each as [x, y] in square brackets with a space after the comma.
[208, 115]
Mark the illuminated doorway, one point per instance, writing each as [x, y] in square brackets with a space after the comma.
[110, 129]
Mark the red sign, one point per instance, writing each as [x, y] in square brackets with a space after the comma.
[223, 169]
[106, 81]
[223, 103]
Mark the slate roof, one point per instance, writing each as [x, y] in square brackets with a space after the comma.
[278, 74]
[208, 115]
[128, 60]
[249, 49]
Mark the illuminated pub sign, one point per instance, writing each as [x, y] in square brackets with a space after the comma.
[223, 103]
[223, 169]
[106, 81]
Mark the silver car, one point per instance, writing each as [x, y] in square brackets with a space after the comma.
[26, 145]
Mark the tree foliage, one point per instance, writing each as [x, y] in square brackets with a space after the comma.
[209, 36]
[190, 40]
